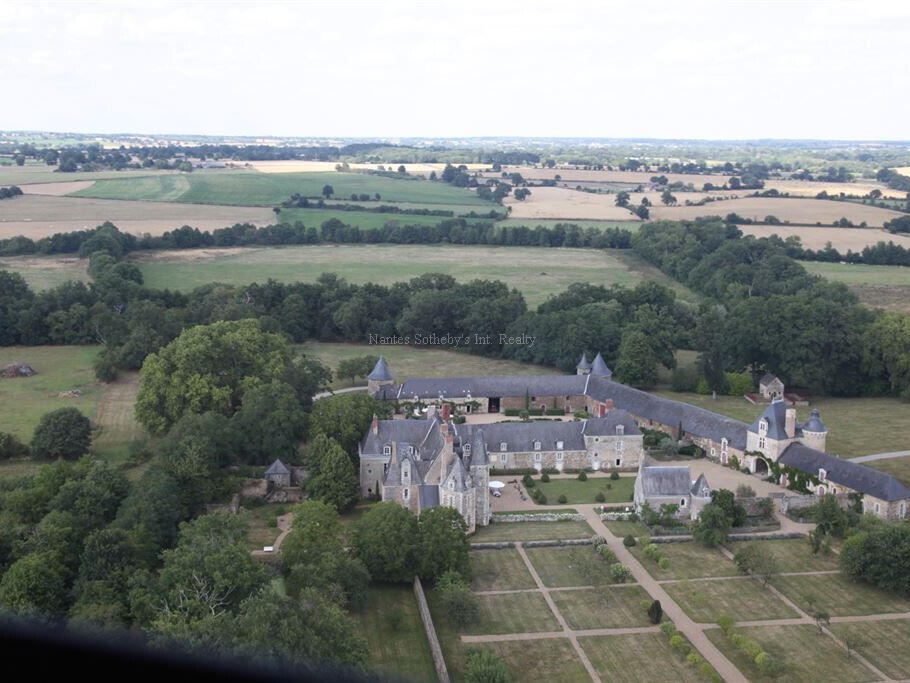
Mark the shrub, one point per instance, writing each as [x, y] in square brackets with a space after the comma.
[677, 642]
[600, 497]
[483, 666]
[63, 433]
[668, 628]
[725, 621]
[629, 541]
[457, 599]
[619, 573]
[664, 563]
[11, 447]
[542, 498]
[694, 659]
[655, 612]
[684, 379]
[582, 476]
[598, 541]
[614, 475]
[562, 498]
[607, 554]
[767, 664]
[745, 491]
[545, 477]
[702, 387]
[527, 481]
[750, 647]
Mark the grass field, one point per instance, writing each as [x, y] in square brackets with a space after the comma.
[899, 467]
[406, 362]
[839, 596]
[45, 272]
[856, 426]
[742, 599]
[60, 368]
[619, 491]
[532, 531]
[263, 527]
[42, 173]
[365, 220]
[885, 287]
[563, 566]
[499, 569]
[805, 655]
[622, 529]
[884, 643]
[687, 561]
[792, 555]
[397, 646]
[537, 272]
[507, 613]
[603, 607]
[527, 661]
[270, 189]
[633, 658]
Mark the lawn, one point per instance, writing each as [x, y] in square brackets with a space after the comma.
[898, 467]
[688, 560]
[532, 531]
[553, 660]
[263, 528]
[396, 639]
[563, 566]
[500, 569]
[604, 607]
[270, 189]
[537, 272]
[622, 529]
[792, 555]
[46, 272]
[839, 596]
[742, 599]
[638, 657]
[805, 654]
[575, 491]
[406, 362]
[508, 613]
[856, 426]
[884, 643]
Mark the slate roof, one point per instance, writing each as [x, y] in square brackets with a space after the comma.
[394, 431]
[429, 496]
[850, 474]
[599, 367]
[814, 423]
[459, 475]
[606, 425]
[479, 450]
[277, 467]
[694, 420]
[509, 385]
[701, 488]
[666, 481]
[380, 371]
[767, 378]
[776, 415]
[583, 364]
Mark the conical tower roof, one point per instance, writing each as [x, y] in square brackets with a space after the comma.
[380, 371]
[583, 364]
[479, 450]
[599, 367]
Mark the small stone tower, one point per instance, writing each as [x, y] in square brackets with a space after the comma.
[583, 367]
[480, 476]
[599, 367]
[815, 433]
[380, 377]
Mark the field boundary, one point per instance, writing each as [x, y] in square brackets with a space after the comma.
[438, 660]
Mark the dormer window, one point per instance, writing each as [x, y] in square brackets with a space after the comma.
[451, 486]
[763, 427]
[502, 446]
[822, 474]
[537, 445]
[723, 444]
[559, 445]
[387, 450]
[467, 448]
[620, 430]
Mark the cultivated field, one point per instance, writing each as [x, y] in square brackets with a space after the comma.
[365, 220]
[38, 216]
[810, 188]
[303, 166]
[269, 189]
[558, 202]
[536, 272]
[45, 272]
[407, 362]
[797, 211]
[885, 287]
[567, 175]
[842, 239]
[41, 173]
[856, 426]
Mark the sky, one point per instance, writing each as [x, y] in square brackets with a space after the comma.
[708, 70]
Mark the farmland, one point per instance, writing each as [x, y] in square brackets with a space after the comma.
[38, 216]
[877, 286]
[365, 220]
[536, 272]
[269, 189]
[842, 239]
[558, 202]
[45, 272]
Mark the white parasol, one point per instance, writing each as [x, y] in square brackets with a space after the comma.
[497, 485]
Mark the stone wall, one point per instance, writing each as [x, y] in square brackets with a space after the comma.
[803, 500]
[438, 661]
[541, 517]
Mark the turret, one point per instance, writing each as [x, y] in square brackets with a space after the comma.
[815, 434]
[583, 367]
[599, 367]
[379, 377]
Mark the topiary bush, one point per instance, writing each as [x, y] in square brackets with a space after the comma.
[545, 477]
[619, 573]
[582, 476]
[600, 497]
[527, 481]
[629, 541]
[542, 498]
[655, 612]
[614, 475]
[562, 499]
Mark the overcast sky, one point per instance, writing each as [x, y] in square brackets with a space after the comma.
[607, 69]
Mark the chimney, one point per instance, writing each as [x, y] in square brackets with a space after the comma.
[448, 449]
[608, 405]
[375, 424]
[790, 425]
[431, 412]
[446, 411]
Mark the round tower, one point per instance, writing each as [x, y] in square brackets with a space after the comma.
[583, 367]
[379, 377]
[815, 433]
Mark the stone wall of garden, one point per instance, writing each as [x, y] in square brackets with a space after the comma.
[438, 661]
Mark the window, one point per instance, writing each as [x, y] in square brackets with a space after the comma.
[620, 430]
[537, 457]
[451, 486]
[723, 445]
[876, 508]
[467, 448]
[369, 471]
[559, 445]
[902, 512]
[559, 456]
[406, 491]
[619, 446]
[387, 450]
[761, 442]
[763, 427]
[619, 462]
[713, 451]
[492, 457]
[410, 450]
[537, 445]
[682, 502]
[502, 446]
